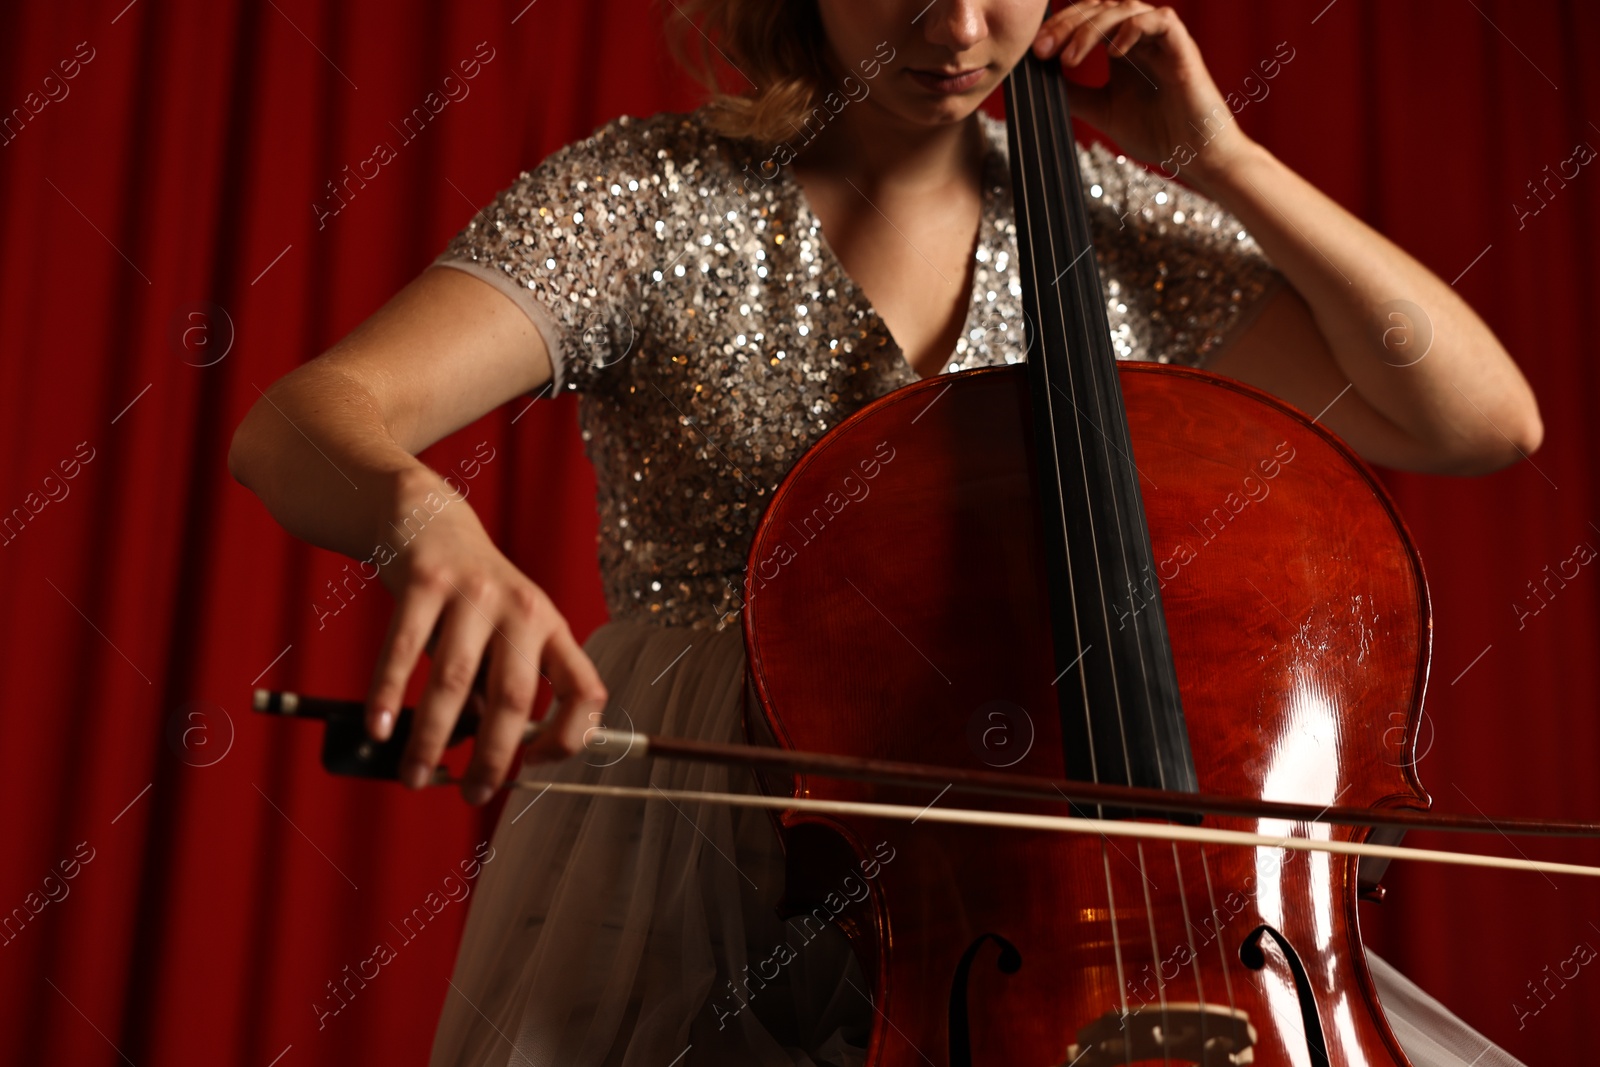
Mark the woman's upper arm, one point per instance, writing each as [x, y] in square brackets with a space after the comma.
[1284, 353]
[444, 351]
[1206, 295]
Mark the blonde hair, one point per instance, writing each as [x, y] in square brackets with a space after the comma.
[778, 45]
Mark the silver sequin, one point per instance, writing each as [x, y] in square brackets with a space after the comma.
[714, 337]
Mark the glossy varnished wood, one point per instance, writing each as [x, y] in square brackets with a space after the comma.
[894, 607]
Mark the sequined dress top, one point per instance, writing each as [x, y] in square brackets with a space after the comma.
[688, 294]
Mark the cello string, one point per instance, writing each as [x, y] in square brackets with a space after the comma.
[1058, 129]
[1033, 73]
[1039, 224]
[1155, 954]
[1116, 950]
[1086, 284]
[1194, 950]
[1132, 538]
[1023, 86]
[1149, 831]
[1216, 925]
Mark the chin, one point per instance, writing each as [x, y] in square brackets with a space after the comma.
[925, 109]
[946, 114]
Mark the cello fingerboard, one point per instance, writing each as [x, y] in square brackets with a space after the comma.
[1121, 716]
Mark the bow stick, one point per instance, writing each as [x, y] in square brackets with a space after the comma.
[348, 749]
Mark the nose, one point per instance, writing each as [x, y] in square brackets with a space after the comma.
[956, 24]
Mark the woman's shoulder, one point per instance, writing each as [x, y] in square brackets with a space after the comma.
[665, 153]
[578, 240]
[1128, 195]
[1182, 276]
[1131, 195]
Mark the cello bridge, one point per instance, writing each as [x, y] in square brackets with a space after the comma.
[1203, 1034]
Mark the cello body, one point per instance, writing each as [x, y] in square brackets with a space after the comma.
[895, 609]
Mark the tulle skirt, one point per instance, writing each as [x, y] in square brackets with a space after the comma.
[609, 933]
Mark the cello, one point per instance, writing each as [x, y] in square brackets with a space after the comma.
[1178, 641]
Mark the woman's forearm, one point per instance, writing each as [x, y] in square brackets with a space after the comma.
[316, 451]
[1463, 406]
[1407, 343]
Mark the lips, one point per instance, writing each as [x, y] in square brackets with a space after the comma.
[942, 81]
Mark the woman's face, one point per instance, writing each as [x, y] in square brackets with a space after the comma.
[947, 55]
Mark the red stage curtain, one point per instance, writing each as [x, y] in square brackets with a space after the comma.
[193, 881]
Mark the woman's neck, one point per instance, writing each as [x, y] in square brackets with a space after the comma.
[878, 151]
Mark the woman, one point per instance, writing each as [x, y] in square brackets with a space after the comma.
[674, 271]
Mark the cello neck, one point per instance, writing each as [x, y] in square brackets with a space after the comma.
[1121, 717]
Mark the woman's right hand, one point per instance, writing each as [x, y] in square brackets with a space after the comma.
[457, 596]
[442, 352]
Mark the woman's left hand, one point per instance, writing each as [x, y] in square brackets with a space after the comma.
[1160, 104]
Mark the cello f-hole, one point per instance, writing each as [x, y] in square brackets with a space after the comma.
[1010, 962]
[1252, 956]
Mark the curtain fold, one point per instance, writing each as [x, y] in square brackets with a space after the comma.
[194, 211]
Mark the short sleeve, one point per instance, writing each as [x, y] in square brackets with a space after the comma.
[1183, 277]
[564, 243]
